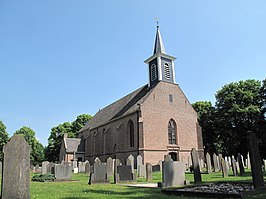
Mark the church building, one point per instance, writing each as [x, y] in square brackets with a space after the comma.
[152, 121]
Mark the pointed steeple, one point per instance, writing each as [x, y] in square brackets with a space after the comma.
[158, 47]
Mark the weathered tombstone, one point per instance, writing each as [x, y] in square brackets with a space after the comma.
[16, 169]
[81, 166]
[0, 167]
[148, 172]
[87, 167]
[62, 172]
[201, 163]
[156, 168]
[97, 161]
[99, 174]
[124, 174]
[219, 158]
[45, 165]
[215, 163]
[234, 168]
[130, 161]
[241, 166]
[256, 167]
[167, 158]
[38, 169]
[75, 164]
[248, 161]
[264, 163]
[110, 167]
[141, 170]
[209, 165]
[227, 163]
[139, 160]
[173, 174]
[224, 168]
[195, 164]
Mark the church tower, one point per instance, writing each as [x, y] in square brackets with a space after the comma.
[160, 65]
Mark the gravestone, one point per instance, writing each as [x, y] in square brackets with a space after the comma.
[224, 168]
[0, 167]
[110, 167]
[255, 161]
[45, 165]
[141, 170]
[139, 160]
[81, 166]
[215, 163]
[124, 174]
[248, 161]
[62, 172]
[227, 163]
[87, 167]
[173, 174]
[234, 168]
[219, 161]
[195, 164]
[241, 165]
[209, 165]
[264, 163]
[75, 165]
[99, 174]
[148, 172]
[97, 161]
[156, 167]
[130, 161]
[167, 158]
[16, 169]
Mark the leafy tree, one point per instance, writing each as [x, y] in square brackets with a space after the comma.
[37, 149]
[3, 138]
[55, 139]
[238, 107]
[80, 122]
[206, 119]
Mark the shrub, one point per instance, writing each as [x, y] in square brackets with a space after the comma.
[43, 177]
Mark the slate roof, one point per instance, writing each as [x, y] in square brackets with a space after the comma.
[126, 105]
[75, 145]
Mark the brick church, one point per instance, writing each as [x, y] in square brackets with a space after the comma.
[152, 121]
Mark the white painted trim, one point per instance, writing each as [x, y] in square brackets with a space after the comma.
[173, 69]
[160, 77]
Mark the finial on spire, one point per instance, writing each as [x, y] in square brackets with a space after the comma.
[157, 21]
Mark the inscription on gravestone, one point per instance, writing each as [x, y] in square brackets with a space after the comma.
[16, 169]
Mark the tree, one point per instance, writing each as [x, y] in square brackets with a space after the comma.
[238, 107]
[37, 149]
[55, 139]
[3, 138]
[206, 118]
[80, 122]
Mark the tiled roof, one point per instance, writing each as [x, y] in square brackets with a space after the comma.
[75, 145]
[128, 104]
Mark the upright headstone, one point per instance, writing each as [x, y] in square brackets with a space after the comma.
[141, 170]
[97, 161]
[0, 167]
[264, 164]
[209, 165]
[87, 167]
[16, 169]
[234, 167]
[255, 160]
[248, 161]
[124, 174]
[110, 167]
[45, 166]
[229, 161]
[130, 161]
[195, 164]
[139, 160]
[215, 163]
[99, 174]
[81, 166]
[148, 172]
[226, 163]
[219, 158]
[241, 165]
[173, 174]
[62, 172]
[167, 158]
[224, 168]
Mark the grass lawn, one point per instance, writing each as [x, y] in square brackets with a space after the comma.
[79, 188]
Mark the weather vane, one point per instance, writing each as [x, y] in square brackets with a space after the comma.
[157, 21]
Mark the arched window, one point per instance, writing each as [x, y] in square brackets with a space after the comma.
[153, 72]
[130, 130]
[166, 71]
[172, 132]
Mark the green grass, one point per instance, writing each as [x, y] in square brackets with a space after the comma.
[79, 188]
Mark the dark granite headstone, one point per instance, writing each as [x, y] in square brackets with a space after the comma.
[195, 164]
[241, 165]
[209, 165]
[16, 169]
[148, 172]
[255, 161]
[124, 174]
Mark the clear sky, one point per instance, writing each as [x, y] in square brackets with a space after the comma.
[62, 58]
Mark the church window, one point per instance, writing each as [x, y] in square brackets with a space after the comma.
[172, 132]
[130, 129]
[153, 72]
[167, 71]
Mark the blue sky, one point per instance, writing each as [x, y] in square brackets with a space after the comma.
[60, 59]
